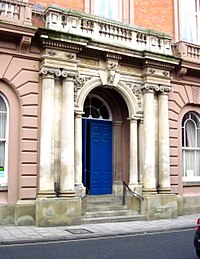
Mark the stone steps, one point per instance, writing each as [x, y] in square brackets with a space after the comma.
[108, 208]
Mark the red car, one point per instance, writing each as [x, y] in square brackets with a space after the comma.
[197, 238]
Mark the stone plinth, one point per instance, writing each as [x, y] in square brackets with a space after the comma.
[25, 213]
[160, 206]
[6, 214]
[58, 212]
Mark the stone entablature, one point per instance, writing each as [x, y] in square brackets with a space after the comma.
[107, 31]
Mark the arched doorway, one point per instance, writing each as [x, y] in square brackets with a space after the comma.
[97, 146]
[105, 135]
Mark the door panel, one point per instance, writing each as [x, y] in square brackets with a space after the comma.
[100, 157]
[97, 156]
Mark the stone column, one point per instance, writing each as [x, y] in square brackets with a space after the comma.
[117, 155]
[141, 152]
[67, 138]
[164, 161]
[57, 134]
[79, 188]
[133, 173]
[46, 167]
[149, 178]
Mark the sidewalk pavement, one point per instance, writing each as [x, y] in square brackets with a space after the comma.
[11, 234]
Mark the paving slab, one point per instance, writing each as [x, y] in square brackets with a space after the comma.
[10, 234]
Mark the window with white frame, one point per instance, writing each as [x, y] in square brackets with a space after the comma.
[191, 146]
[119, 10]
[3, 140]
[189, 20]
[111, 9]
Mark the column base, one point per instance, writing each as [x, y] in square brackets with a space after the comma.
[46, 194]
[163, 190]
[117, 188]
[67, 194]
[149, 191]
[80, 190]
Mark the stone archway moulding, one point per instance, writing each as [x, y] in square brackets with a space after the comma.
[125, 92]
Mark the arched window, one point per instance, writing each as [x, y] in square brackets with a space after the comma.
[95, 108]
[3, 140]
[191, 146]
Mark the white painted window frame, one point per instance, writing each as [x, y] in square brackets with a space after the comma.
[4, 179]
[191, 176]
[179, 20]
[127, 9]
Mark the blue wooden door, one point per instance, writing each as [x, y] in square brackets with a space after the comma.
[98, 157]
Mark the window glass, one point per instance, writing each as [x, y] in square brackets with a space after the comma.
[94, 108]
[190, 147]
[3, 125]
[190, 20]
[111, 9]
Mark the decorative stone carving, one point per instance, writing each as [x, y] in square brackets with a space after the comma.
[151, 70]
[24, 44]
[136, 88]
[79, 83]
[111, 70]
[195, 93]
[51, 52]
[166, 73]
[181, 72]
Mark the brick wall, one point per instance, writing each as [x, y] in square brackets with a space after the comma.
[74, 4]
[155, 14]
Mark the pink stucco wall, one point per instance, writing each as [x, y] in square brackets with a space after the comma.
[19, 82]
[182, 99]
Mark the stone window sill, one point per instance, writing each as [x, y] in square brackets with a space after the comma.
[3, 188]
[191, 183]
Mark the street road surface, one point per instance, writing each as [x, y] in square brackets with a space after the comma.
[164, 245]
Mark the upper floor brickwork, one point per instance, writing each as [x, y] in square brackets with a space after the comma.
[155, 14]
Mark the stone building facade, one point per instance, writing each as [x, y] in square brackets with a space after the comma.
[90, 105]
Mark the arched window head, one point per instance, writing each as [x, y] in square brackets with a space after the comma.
[191, 146]
[95, 108]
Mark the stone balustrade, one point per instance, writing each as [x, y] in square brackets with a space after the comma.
[17, 12]
[106, 31]
[187, 50]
